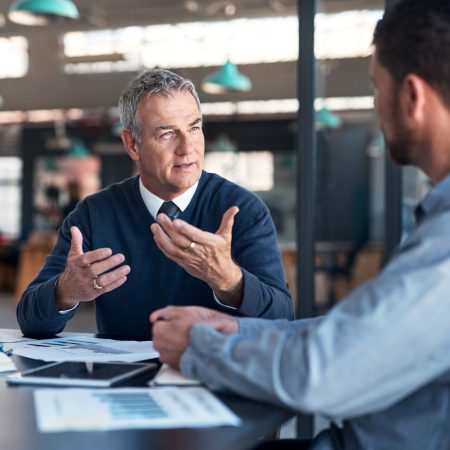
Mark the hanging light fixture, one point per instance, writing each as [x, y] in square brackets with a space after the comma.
[222, 144]
[78, 150]
[326, 118]
[41, 12]
[227, 78]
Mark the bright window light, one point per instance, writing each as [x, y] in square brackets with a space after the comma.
[285, 105]
[14, 54]
[252, 170]
[252, 107]
[196, 44]
[10, 196]
[345, 35]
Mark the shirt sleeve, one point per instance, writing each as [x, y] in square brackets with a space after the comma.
[67, 311]
[223, 305]
[380, 344]
[37, 313]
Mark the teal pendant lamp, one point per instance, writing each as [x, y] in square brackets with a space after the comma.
[78, 150]
[41, 12]
[326, 118]
[227, 78]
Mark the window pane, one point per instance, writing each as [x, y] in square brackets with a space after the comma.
[10, 196]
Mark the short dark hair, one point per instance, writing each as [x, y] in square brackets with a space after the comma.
[413, 36]
[155, 81]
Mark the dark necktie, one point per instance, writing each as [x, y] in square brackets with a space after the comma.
[170, 209]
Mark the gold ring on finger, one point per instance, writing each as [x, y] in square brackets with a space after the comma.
[96, 285]
[191, 246]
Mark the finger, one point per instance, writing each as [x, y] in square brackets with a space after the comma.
[110, 278]
[159, 336]
[165, 224]
[110, 287]
[191, 233]
[76, 249]
[161, 217]
[173, 232]
[102, 265]
[164, 243]
[167, 313]
[76, 245]
[94, 256]
[226, 226]
[156, 315]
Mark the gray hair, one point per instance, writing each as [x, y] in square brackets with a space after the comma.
[155, 81]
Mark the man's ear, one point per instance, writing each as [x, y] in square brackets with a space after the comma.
[413, 98]
[131, 146]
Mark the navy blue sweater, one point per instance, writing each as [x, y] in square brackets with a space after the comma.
[116, 217]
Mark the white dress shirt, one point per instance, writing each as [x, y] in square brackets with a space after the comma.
[153, 202]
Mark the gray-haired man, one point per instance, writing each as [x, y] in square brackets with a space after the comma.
[115, 247]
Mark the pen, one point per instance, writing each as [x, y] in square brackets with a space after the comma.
[7, 352]
[89, 367]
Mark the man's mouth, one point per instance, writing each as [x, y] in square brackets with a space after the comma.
[183, 166]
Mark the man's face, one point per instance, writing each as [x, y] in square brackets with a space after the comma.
[399, 139]
[170, 157]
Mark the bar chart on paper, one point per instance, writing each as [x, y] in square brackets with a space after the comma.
[129, 408]
[84, 348]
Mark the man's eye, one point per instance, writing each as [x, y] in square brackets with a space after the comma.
[167, 135]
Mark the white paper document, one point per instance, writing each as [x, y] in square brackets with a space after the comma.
[60, 410]
[171, 377]
[85, 348]
[12, 336]
[6, 364]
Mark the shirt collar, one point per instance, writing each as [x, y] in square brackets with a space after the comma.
[153, 202]
[437, 199]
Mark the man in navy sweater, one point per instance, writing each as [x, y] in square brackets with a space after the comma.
[118, 249]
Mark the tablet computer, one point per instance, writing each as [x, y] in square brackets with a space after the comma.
[82, 374]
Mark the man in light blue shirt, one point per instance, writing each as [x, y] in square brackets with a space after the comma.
[378, 364]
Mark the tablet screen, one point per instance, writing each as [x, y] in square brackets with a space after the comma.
[82, 374]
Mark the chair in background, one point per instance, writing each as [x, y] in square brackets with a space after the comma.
[32, 255]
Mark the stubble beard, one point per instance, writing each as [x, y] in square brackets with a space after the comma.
[402, 143]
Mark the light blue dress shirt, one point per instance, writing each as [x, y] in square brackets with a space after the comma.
[378, 364]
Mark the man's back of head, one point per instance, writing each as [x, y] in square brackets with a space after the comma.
[414, 37]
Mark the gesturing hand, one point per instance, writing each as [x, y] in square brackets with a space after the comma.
[84, 277]
[204, 255]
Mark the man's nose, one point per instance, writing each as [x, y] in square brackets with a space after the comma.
[185, 144]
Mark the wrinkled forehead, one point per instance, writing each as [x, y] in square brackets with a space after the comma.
[177, 110]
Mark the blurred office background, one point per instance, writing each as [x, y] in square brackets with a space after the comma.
[60, 131]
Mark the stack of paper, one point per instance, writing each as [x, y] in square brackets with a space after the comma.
[6, 364]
